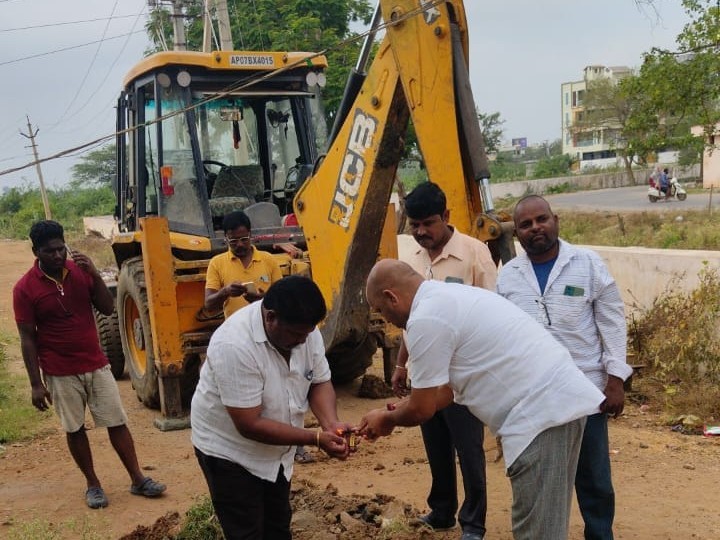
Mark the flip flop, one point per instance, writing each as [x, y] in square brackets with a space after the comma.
[304, 457]
[148, 488]
[95, 497]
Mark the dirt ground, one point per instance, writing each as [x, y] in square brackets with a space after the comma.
[666, 482]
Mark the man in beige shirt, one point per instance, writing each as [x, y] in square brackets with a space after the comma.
[446, 254]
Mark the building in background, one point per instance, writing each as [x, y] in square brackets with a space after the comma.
[591, 147]
[710, 170]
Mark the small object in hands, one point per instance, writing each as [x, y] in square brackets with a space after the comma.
[390, 406]
[350, 437]
[250, 286]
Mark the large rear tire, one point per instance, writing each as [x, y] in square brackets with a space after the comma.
[348, 363]
[108, 328]
[135, 333]
[653, 198]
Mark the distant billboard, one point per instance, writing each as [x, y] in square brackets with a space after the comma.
[520, 142]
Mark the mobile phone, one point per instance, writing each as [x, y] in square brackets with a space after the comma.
[250, 286]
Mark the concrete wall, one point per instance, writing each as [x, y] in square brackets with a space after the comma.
[103, 226]
[584, 181]
[642, 274]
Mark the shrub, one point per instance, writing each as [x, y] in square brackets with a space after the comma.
[677, 338]
[20, 207]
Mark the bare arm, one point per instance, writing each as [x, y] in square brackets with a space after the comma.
[324, 405]
[215, 298]
[398, 380]
[41, 399]
[102, 298]
[422, 404]
[251, 425]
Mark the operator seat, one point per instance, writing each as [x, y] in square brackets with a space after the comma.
[236, 187]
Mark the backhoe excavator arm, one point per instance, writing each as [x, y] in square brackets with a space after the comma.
[420, 72]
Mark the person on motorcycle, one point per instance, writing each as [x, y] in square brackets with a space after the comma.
[665, 183]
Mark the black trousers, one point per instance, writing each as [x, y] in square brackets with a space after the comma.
[452, 429]
[248, 507]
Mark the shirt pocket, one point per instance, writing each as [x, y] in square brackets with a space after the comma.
[569, 310]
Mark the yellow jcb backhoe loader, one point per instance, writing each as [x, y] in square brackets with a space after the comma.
[202, 134]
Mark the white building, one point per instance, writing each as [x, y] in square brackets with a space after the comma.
[591, 147]
[710, 171]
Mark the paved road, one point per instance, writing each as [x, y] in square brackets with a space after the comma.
[629, 199]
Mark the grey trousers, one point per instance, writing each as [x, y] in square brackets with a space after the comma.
[542, 479]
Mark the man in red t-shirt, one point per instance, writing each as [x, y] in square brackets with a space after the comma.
[53, 305]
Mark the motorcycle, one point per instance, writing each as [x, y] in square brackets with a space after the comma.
[675, 190]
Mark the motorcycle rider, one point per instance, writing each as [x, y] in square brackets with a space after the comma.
[665, 183]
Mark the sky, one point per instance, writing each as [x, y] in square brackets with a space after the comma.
[67, 77]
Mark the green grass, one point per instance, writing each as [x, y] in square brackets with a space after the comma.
[19, 420]
[672, 229]
[41, 529]
[200, 522]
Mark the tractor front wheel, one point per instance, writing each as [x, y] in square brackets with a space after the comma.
[134, 321]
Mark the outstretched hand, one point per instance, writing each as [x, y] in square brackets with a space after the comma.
[334, 445]
[376, 423]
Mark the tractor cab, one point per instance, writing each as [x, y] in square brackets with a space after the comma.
[204, 134]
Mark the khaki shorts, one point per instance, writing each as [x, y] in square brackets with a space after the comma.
[97, 390]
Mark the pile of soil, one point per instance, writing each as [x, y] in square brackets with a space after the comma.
[324, 514]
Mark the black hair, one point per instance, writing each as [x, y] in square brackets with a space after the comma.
[42, 232]
[426, 200]
[236, 219]
[296, 300]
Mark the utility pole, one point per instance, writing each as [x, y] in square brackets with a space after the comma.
[178, 19]
[31, 135]
[223, 18]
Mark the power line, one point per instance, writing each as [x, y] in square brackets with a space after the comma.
[67, 48]
[241, 85]
[66, 23]
[102, 82]
[89, 68]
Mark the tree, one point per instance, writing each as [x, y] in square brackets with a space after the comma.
[695, 85]
[654, 108]
[491, 128]
[294, 25]
[96, 168]
[551, 166]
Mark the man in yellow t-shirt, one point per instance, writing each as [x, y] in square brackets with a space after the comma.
[227, 285]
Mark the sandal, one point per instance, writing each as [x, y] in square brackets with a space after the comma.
[148, 488]
[95, 497]
[303, 456]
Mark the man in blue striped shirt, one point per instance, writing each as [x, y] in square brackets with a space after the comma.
[571, 292]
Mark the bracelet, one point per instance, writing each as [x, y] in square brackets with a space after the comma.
[317, 438]
[398, 366]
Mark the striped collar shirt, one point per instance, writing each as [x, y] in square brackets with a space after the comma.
[581, 307]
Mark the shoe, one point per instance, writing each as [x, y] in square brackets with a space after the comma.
[303, 456]
[148, 488]
[471, 536]
[437, 524]
[95, 497]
